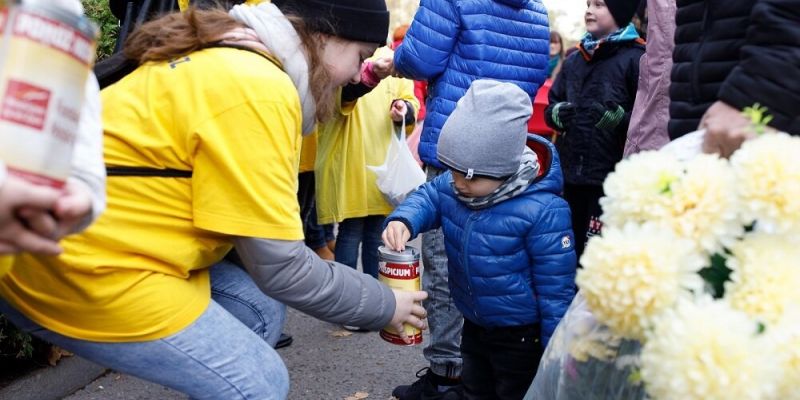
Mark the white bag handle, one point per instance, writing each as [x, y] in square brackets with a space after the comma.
[399, 174]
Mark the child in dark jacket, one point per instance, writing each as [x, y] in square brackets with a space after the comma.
[507, 235]
[590, 103]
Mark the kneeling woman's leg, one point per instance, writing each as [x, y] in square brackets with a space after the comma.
[216, 357]
[234, 289]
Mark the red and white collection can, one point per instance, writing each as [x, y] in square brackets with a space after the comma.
[400, 270]
[46, 55]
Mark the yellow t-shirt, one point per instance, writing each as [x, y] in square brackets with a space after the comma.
[308, 152]
[358, 136]
[5, 264]
[140, 272]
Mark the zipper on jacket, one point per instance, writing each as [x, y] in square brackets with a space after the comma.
[465, 261]
[695, 80]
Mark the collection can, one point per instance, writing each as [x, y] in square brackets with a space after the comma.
[400, 270]
[46, 55]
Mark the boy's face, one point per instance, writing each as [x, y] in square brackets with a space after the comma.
[475, 187]
[599, 21]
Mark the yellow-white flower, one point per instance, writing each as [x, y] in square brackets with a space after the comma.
[784, 339]
[768, 182]
[703, 207]
[638, 189]
[631, 275]
[765, 278]
[707, 351]
[695, 199]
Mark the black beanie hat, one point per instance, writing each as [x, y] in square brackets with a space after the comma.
[361, 20]
[622, 10]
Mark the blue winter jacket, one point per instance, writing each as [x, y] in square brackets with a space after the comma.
[509, 264]
[453, 42]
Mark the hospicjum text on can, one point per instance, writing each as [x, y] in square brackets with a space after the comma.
[400, 270]
[46, 55]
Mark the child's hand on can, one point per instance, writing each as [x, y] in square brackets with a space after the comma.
[396, 235]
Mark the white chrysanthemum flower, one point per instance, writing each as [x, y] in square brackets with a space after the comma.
[707, 351]
[784, 339]
[768, 182]
[765, 277]
[638, 188]
[631, 275]
[704, 207]
[695, 199]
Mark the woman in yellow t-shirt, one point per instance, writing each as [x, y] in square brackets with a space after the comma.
[202, 143]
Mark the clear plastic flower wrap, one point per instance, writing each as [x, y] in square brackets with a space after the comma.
[586, 361]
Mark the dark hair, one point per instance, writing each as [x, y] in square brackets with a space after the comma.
[178, 34]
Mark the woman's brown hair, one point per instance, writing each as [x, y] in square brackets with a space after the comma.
[178, 34]
[555, 36]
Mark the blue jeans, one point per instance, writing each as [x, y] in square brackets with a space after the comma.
[218, 356]
[364, 231]
[317, 235]
[444, 320]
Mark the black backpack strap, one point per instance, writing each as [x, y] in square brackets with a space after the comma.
[148, 172]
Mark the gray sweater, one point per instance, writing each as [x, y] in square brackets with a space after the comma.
[291, 273]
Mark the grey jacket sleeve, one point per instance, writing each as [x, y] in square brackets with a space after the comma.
[88, 168]
[291, 273]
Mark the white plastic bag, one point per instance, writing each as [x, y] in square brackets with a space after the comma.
[687, 146]
[399, 174]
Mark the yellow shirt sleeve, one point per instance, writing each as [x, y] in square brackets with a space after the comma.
[245, 172]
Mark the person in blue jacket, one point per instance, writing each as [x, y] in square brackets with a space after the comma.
[449, 44]
[507, 234]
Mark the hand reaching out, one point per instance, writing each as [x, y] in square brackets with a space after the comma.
[399, 110]
[396, 235]
[408, 311]
[726, 129]
[71, 208]
[16, 234]
[383, 67]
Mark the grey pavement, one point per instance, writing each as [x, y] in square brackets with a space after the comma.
[324, 363]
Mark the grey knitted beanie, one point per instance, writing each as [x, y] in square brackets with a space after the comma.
[486, 133]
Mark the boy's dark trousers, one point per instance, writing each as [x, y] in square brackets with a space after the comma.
[584, 203]
[499, 363]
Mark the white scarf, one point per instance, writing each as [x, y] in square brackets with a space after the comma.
[282, 41]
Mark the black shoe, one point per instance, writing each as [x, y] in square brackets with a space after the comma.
[284, 340]
[425, 388]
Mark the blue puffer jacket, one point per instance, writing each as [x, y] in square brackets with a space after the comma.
[510, 264]
[453, 42]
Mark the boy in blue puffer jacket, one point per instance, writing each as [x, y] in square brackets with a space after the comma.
[507, 235]
[449, 44]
